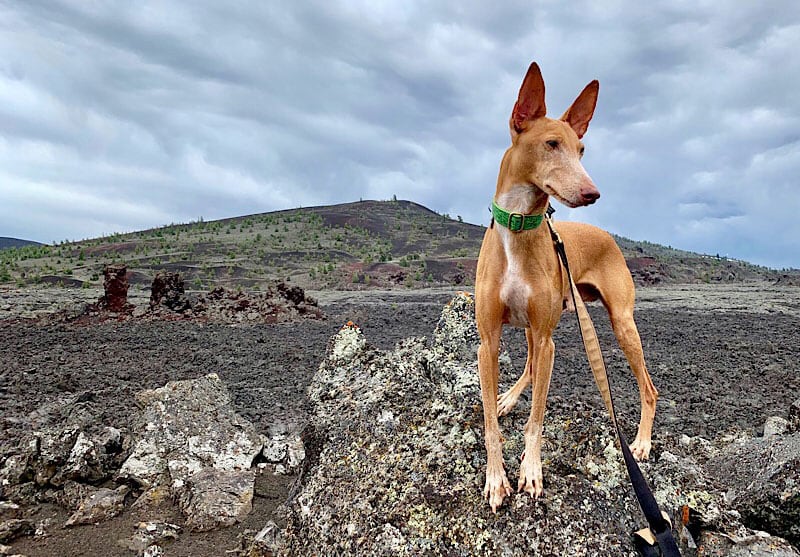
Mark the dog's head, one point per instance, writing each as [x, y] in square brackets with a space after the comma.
[547, 153]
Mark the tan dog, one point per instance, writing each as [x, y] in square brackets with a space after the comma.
[520, 281]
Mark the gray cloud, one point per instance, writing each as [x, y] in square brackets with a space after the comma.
[118, 116]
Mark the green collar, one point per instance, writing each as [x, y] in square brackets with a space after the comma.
[515, 222]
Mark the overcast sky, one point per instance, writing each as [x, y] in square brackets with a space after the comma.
[118, 116]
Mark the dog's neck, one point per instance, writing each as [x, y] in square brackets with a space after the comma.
[522, 198]
[515, 194]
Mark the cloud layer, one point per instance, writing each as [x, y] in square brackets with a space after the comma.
[118, 116]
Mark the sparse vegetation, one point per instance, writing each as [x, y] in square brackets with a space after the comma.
[382, 244]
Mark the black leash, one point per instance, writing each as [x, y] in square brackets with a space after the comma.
[659, 524]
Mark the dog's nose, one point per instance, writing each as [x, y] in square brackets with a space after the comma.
[589, 195]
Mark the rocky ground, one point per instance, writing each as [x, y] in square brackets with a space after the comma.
[725, 358]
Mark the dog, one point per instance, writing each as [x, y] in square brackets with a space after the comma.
[520, 282]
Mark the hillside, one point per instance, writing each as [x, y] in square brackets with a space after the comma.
[348, 246]
[6, 243]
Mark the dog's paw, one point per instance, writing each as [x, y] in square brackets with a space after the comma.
[497, 489]
[506, 402]
[641, 449]
[530, 476]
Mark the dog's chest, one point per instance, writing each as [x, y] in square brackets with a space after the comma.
[515, 291]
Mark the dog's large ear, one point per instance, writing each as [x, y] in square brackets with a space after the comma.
[530, 103]
[580, 113]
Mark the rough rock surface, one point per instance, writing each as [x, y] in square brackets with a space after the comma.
[149, 534]
[276, 304]
[168, 290]
[396, 461]
[189, 437]
[101, 504]
[15, 527]
[287, 453]
[762, 479]
[713, 544]
[63, 444]
[794, 416]
[212, 498]
[115, 285]
[267, 368]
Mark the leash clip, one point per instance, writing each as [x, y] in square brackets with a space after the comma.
[554, 234]
[646, 542]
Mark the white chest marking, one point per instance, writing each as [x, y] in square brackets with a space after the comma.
[514, 289]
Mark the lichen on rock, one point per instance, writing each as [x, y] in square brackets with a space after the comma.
[395, 464]
[189, 437]
[399, 468]
[186, 426]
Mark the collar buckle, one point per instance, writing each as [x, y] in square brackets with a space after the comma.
[516, 222]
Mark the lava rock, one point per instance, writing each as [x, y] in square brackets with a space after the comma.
[64, 444]
[186, 426]
[400, 434]
[168, 290]
[775, 425]
[151, 534]
[115, 286]
[794, 416]
[395, 463]
[714, 544]
[214, 498]
[101, 504]
[761, 478]
[189, 437]
[278, 303]
[14, 528]
[286, 452]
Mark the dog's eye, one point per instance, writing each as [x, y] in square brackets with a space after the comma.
[553, 144]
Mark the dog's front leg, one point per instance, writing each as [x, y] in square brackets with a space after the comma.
[497, 487]
[530, 469]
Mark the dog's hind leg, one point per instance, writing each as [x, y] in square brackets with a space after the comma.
[628, 337]
[507, 401]
[618, 297]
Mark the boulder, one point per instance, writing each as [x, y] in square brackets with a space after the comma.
[212, 498]
[189, 437]
[761, 478]
[101, 504]
[400, 434]
[13, 528]
[395, 465]
[64, 444]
